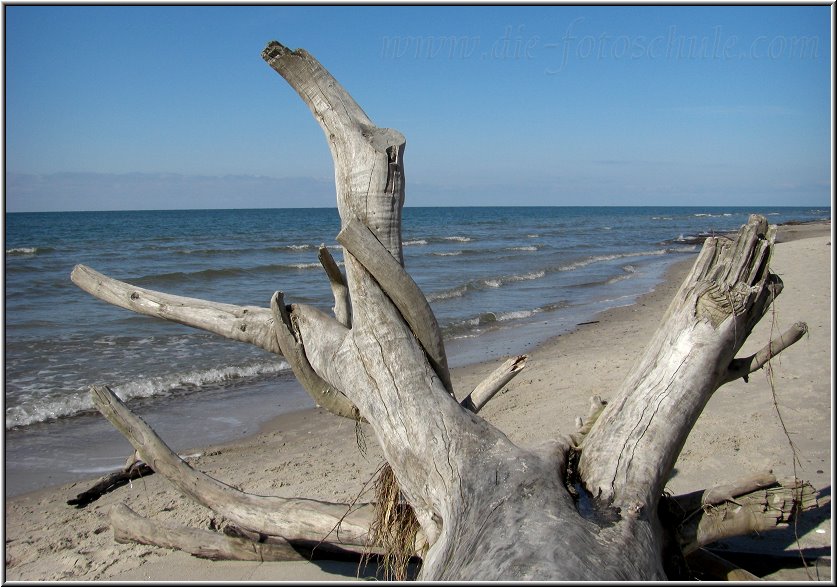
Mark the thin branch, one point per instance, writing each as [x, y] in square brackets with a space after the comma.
[242, 323]
[495, 381]
[291, 518]
[134, 469]
[342, 305]
[743, 367]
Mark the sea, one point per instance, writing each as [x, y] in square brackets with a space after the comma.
[499, 279]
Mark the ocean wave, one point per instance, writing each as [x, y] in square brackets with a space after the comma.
[481, 284]
[503, 280]
[222, 273]
[447, 253]
[72, 404]
[600, 258]
[475, 325]
[456, 292]
[524, 248]
[292, 248]
[26, 251]
[436, 240]
[710, 215]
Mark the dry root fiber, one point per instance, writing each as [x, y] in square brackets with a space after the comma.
[394, 526]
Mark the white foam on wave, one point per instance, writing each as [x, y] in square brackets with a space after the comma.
[414, 243]
[599, 258]
[448, 254]
[449, 294]
[516, 315]
[306, 265]
[22, 251]
[459, 239]
[526, 248]
[41, 410]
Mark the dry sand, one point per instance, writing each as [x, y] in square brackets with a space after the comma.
[313, 454]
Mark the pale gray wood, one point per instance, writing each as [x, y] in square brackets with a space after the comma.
[290, 518]
[496, 380]
[488, 509]
[128, 526]
[741, 368]
[390, 275]
[754, 508]
[339, 289]
[628, 455]
[323, 393]
[242, 323]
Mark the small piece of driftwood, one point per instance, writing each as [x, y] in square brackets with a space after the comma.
[134, 469]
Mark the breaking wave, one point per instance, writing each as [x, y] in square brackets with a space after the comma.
[33, 410]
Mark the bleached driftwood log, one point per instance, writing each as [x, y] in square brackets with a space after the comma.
[586, 508]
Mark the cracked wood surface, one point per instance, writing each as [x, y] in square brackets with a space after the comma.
[629, 454]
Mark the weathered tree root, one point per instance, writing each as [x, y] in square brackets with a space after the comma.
[755, 504]
[299, 518]
[486, 507]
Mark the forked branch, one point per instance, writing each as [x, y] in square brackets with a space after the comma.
[291, 518]
[397, 284]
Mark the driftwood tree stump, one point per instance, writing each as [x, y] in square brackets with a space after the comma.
[583, 506]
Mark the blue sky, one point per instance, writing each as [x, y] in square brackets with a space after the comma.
[157, 107]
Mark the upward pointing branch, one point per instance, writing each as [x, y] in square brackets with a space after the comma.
[628, 455]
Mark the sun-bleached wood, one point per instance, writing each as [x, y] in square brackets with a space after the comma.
[342, 304]
[628, 455]
[131, 527]
[742, 368]
[495, 381]
[325, 394]
[249, 324]
[399, 287]
[288, 517]
[580, 508]
[754, 504]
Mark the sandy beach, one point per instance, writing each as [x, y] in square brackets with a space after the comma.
[313, 454]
